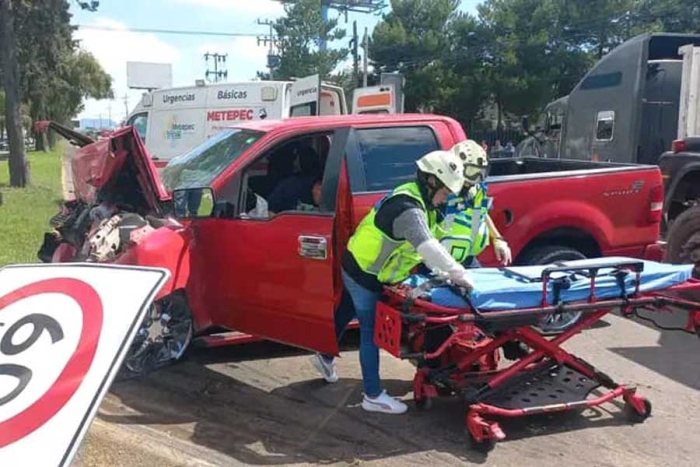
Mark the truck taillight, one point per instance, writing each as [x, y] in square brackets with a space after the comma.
[678, 145]
[656, 204]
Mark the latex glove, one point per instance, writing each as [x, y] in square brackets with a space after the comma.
[502, 251]
[461, 278]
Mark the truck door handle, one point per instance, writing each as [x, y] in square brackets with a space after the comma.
[313, 246]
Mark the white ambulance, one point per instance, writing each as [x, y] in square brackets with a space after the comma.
[174, 120]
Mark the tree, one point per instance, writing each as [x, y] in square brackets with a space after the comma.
[57, 73]
[414, 39]
[18, 164]
[299, 34]
[43, 69]
[24, 114]
[666, 15]
[538, 51]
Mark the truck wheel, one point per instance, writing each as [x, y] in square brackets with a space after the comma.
[550, 254]
[552, 325]
[163, 338]
[683, 239]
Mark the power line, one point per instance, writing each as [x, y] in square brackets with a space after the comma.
[218, 74]
[169, 31]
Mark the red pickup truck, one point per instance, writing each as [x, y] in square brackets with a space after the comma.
[278, 277]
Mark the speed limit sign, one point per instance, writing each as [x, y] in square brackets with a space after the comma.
[64, 331]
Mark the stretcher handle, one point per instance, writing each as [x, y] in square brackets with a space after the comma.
[620, 270]
[591, 270]
[588, 270]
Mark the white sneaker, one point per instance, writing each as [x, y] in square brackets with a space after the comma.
[327, 369]
[383, 403]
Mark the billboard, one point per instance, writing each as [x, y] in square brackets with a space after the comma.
[148, 75]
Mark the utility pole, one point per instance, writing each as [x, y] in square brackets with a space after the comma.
[269, 39]
[364, 59]
[217, 59]
[355, 57]
[126, 106]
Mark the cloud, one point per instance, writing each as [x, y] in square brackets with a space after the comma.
[245, 7]
[113, 49]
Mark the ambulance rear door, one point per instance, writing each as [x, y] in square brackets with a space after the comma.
[332, 100]
[176, 122]
[374, 100]
[305, 96]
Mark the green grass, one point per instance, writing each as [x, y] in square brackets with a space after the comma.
[25, 212]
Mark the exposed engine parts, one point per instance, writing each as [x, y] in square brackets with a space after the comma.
[112, 235]
[97, 233]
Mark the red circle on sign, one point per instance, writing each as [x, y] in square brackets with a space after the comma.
[71, 377]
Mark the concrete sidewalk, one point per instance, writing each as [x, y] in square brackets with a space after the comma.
[135, 445]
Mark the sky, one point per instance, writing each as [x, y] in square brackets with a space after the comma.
[107, 33]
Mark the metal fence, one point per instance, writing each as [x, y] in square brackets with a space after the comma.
[490, 136]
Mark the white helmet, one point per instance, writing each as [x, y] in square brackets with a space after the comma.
[446, 167]
[474, 159]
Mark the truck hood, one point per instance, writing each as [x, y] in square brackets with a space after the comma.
[118, 169]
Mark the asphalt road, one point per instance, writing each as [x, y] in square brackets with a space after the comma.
[263, 404]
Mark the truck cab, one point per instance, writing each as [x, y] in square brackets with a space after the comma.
[625, 109]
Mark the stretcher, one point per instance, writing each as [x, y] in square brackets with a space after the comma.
[453, 337]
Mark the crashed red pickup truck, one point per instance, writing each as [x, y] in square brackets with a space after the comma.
[278, 277]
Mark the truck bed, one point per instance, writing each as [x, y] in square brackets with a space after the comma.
[526, 168]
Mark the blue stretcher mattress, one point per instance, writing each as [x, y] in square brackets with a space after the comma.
[495, 289]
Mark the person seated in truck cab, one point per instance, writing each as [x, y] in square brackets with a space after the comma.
[296, 192]
[392, 239]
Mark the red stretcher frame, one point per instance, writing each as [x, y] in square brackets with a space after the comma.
[401, 308]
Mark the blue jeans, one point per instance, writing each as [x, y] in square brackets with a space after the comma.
[360, 302]
[187, 203]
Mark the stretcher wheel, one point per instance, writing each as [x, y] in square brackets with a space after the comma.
[425, 404]
[482, 447]
[636, 417]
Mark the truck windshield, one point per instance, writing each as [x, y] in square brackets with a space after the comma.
[200, 166]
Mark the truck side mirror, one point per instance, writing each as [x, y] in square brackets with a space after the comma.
[189, 203]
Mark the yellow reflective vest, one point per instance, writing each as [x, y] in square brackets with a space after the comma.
[463, 231]
[391, 261]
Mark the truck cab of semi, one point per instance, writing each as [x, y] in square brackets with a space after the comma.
[625, 109]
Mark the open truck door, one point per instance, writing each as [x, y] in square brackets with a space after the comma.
[282, 279]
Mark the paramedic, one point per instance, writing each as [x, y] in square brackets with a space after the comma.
[393, 238]
[187, 202]
[465, 227]
[462, 231]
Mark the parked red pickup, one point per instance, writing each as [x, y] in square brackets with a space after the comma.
[278, 277]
